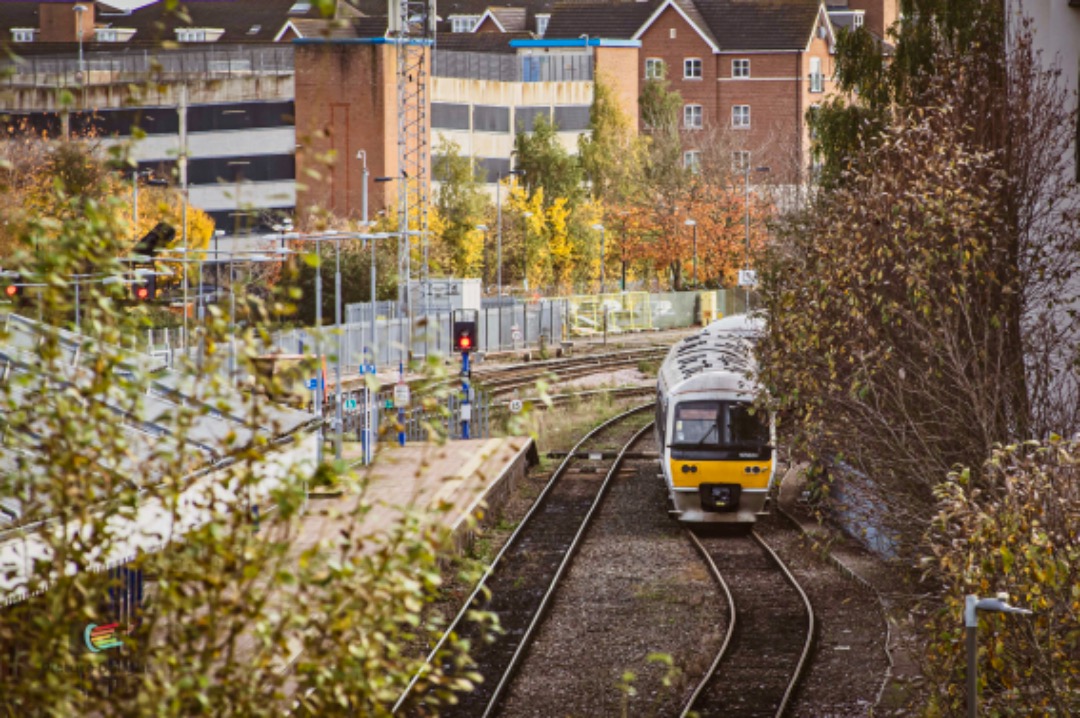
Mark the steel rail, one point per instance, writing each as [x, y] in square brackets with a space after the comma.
[733, 617]
[545, 602]
[801, 664]
[466, 608]
[811, 627]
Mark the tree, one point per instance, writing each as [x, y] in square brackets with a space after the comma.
[238, 615]
[908, 310]
[461, 204]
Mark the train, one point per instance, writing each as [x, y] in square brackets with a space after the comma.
[717, 446]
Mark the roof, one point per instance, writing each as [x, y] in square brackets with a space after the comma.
[720, 357]
[760, 24]
[605, 19]
[243, 21]
[493, 42]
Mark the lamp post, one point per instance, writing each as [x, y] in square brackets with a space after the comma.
[972, 605]
[79, 10]
[498, 229]
[693, 223]
[600, 227]
[746, 206]
[362, 156]
[525, 249]
[487, 265]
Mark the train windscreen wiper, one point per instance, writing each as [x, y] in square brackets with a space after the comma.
[707, 435]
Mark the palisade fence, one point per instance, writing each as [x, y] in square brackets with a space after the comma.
[508, 326]
[511, 325]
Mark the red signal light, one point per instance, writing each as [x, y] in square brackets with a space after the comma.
[11, 290]
[464, 343]
[142, 293]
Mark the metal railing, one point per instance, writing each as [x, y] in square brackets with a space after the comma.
[140, 64]
[571, 67]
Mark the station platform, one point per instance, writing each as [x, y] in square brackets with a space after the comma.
[452, 481]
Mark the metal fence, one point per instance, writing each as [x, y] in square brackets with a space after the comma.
[107, 67]
[502, 328]
[568, 67]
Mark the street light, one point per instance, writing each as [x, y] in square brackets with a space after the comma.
[405, 253]
[525, 249]
[600, 227]
[746, 206]
[693, 223]
[487, 264]
[79, 10]
[498, 232]
[972, 605]
[362, 156]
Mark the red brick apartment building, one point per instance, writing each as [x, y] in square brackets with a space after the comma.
[747, 70]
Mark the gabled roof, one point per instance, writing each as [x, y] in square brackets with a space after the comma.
[615, 21]
[760, 24]
[689, 13]
[511, 19]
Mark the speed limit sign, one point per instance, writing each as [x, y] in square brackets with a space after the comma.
[515, 406]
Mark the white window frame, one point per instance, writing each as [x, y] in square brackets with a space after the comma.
[23, 34]
[817, 78]
[542, 24]
[740, 117]
[740, 68]
[190, 34]
[103, 34]
[693, 117]
[689, 64]
[691, 160]
[652, 64]
[857, 20]
[740, 160]
[463, 23]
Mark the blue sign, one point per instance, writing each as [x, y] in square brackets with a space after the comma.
[313, 384]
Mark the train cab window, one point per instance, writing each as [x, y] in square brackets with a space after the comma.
[746, 427]
[696, 423]
[719, 424]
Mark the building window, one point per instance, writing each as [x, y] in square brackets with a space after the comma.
[190, 35]
[692, 68]
[654, 69]
[817, 79]
[740, 116]
[740, 160]
[105, 35]
[22, 34]
[857, 20]
[691, 160]
[541, 24]
[693, 117]
[740, 68]
[466, 23]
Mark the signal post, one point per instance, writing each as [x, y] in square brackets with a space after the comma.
[464, 329]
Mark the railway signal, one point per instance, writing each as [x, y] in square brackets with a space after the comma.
[464, 331]
[146, 289]
[14, 289]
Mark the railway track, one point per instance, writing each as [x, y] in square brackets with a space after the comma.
[770, 632]
[503, 380]
[524, 576]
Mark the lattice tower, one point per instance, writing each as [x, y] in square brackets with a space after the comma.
[413, 32]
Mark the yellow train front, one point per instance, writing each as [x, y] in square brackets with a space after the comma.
[717, 451]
